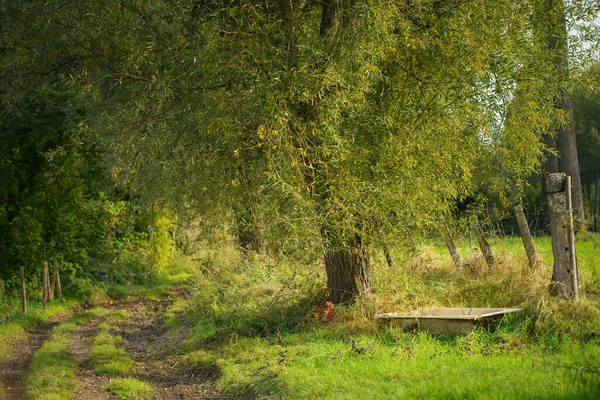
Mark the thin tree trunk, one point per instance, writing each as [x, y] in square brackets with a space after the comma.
[248, 233]
[486, 250]
[389, 258]
[526, 237]
[447, 234]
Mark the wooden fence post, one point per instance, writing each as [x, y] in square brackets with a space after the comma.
[23, 291]
[56, 280]
[48, 282]
[526, 237]
[486, 250]
[450, 242]
[564, 275]
[571, 241]
[45, 293]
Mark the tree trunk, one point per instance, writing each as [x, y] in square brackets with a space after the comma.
[348, 272]
[248, 232]
[389, 258]
[329, 16]
[568, 161]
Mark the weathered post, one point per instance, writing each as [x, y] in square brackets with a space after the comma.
[564, 276]
[526, 237]
[56, 280]
[450, 242]
[571, 240]
[23, 292]
[45, 284]
[483, 243]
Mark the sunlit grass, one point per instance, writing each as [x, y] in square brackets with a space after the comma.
[254, 322]
[130, 388]
[107, 355]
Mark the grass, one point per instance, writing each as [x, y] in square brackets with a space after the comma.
[52, 373]
[107, 356]
[14, 325]
[397, 365]
[254, 321]
[157, 287]
[130, 388]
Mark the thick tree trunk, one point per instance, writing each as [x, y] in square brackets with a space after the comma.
[329, 16]
[348, 272]
[551, 163]
[568, 161]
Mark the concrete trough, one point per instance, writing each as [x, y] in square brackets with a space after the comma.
[448, 321]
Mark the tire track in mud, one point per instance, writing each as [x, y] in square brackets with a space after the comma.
[13, 371]
[89, 385]
[151, 345]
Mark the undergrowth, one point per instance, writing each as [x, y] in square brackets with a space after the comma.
[260, 321]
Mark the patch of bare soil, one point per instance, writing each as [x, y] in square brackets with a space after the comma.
[151, 345]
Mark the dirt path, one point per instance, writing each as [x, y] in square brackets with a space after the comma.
[89, 385]
[147, 340]
[151, 345]
[12, 372]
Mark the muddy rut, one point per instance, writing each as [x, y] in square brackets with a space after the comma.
[12, 372]
[150, 344]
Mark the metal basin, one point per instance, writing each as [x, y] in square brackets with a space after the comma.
[449, 321]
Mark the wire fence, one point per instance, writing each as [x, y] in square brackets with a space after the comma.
[503, 230]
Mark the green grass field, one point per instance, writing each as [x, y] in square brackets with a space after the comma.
[255, 322]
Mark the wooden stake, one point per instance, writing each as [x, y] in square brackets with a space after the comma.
[45, 283]
[50, 290]
[564, 279]
[526, 237]
[56, 279]
[571, 241]
[23, 292]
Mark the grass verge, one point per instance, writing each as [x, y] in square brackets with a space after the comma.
[15, 325]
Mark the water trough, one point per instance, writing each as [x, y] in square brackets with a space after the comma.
[449, 321]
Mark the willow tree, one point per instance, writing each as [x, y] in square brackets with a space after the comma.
[339, 121]
[353, 113]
